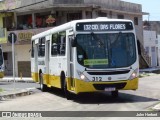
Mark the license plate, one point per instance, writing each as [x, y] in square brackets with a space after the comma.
[110, 89]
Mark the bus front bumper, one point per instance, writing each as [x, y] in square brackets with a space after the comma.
[82, 86]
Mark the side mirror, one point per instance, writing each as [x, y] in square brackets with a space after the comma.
[73, 42]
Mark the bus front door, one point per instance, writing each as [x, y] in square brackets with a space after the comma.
[47, 60]
[71, 65]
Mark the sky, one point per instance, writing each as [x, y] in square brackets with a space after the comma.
[150, 6]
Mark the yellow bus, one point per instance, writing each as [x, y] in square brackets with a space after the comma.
[1, 63]
[87, 55]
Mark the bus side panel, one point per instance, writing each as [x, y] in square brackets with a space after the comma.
[34, 62]
[41, 66]
[34, 71]
[46, 79]
[54, 81]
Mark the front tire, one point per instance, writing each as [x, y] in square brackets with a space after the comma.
[114, 94]
[43, 87]
[68, 95]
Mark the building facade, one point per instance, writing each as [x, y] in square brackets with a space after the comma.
[151, 46]
[29, 17]
[153, 30]
[155, 26]
[158, 37]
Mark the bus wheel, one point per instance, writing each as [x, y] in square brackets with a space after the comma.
[68, 95]
[114, 94]
[43, 87]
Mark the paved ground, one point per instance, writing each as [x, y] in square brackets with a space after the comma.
[10, 89]
[144, 99]
[148, 92]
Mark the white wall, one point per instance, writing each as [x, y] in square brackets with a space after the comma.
[150, 42]
[158, 37]
[22, 53]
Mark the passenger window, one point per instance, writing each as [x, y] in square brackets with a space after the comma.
[41, 48]
[32, 50]
[58, 44]
[54, 49]
[62, 43]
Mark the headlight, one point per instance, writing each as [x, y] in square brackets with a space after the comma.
[82, 76]
[134, 74]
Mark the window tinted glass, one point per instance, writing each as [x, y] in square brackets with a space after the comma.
[32, 51]
[41, 47]
[112, 50]
[1, 57]
[58, 44]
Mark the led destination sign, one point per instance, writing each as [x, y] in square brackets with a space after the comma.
[104, 26]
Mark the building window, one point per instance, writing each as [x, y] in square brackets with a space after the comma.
[110, 14]
[74, 16]
[41, 48]
[102, 14]
[153, 49]
[120, 16]
[24, 22]
[8, 23]
[147, 50]
[89, 14]
[45, 19]
[136, 20]
[59, 44]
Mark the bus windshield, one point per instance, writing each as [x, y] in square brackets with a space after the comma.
[107, 50]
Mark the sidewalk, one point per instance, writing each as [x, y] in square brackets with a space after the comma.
[17, 79]
[10, 94]
[150, 70]
[17, 92]
[156, 107]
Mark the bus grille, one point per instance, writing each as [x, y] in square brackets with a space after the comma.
[115, 85]
[109, 72]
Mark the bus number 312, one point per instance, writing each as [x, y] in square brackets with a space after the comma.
[96, 78]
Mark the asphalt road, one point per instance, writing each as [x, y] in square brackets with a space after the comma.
[54, 100]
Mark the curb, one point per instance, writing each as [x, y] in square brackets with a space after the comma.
[156, 107]
[21, 81]
[12, 95]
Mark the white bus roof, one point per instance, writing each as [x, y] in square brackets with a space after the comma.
[72, 24]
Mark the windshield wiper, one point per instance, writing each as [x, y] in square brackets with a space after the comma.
[117, 36]
[110, 49]
[100, 43]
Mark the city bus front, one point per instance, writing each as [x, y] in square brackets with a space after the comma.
[106, 57]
